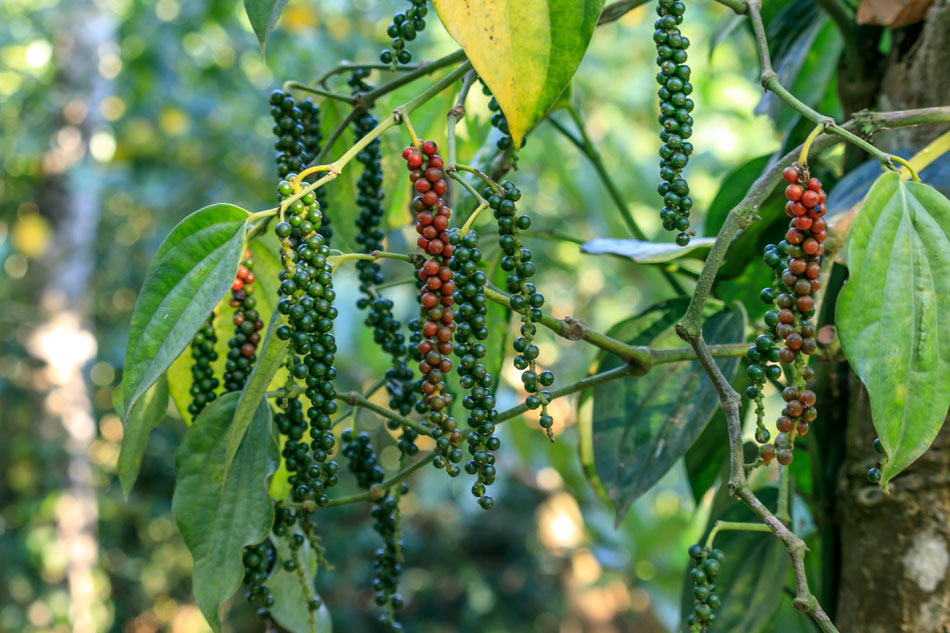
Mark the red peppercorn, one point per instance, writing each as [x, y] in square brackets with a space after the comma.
[409, 149]
[429, 148]
[790, 174]
[435, 247]
[436, 161]
[237, 285]
[810, 198]
[810, 246]
[414, 160]
[793, 192]
[803, 222]
[439, 186]
[422, 185]
[247, 350]
[794, 236]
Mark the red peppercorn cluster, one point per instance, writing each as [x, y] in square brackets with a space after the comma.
[796, 265]
[805, 239]
[247, 327]
[438, 285]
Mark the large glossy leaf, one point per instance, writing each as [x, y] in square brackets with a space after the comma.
[263, 15]
[218, 514]
[144, 416]
[642, 425]
[526, 51]
[290, 609]
[644, 252]
[273, 351]
[192, 270]
[266, 270]
[751, 576]
[893, 315]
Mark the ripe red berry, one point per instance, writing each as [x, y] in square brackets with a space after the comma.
[810, 246]
[436, 161]
[793, 192]
[407, 151]
[414, 161]
[803, 222]
[794, 236]
[237, 285]
[429, 198]
[790, 174]
[814, 184]
[431, 267]
[810, 198]
[422, 185]
[429, 148]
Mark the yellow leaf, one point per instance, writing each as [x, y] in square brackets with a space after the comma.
[526, 51]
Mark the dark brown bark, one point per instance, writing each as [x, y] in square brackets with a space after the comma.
[893, 566]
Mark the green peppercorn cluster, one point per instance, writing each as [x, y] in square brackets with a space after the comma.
[471, 308]
[259, 563]
[404, 28]
[703, 575]
[203, 382]
[675, 117]
[297, 129]
[525, 298]
[308, 479]
[307, 296]
[242, 347]
[499, 121]
[387, 565]
[386, 328]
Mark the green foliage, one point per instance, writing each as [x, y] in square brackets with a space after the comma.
[263, 15]
[520, 51]
[191, 271]
[754, 563]
[220, 512]
[291, 603]
[643, 425]
[269, 361]
[893, 315]
[146, 413]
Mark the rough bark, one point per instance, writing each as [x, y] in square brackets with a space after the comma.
[895, 565]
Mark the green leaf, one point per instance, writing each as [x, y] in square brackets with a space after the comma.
[526, 51]
[893, 315]
[290, 610]
[269, 360]
[193, 268]
[267, 267]
[754, 563]
[643, 252]
[144, 416]
[340, 195]
[642, 425]
[219, 513]
[263, 15]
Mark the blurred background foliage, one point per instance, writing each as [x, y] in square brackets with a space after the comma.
[183, 123]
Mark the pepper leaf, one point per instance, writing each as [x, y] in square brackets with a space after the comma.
[263, 16]
[526, 51]
[893, 314]
[219, 512]
[192, 270]
[642, 425]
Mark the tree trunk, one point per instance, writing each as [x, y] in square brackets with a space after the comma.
[69, 196]
[894, 566]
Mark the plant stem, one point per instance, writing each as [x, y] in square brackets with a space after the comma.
[784, 493]
[345, 67]
[354, 398]
[420, 71]
[337, 166]
[733, 526]
[378, 491]
[288, 85]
